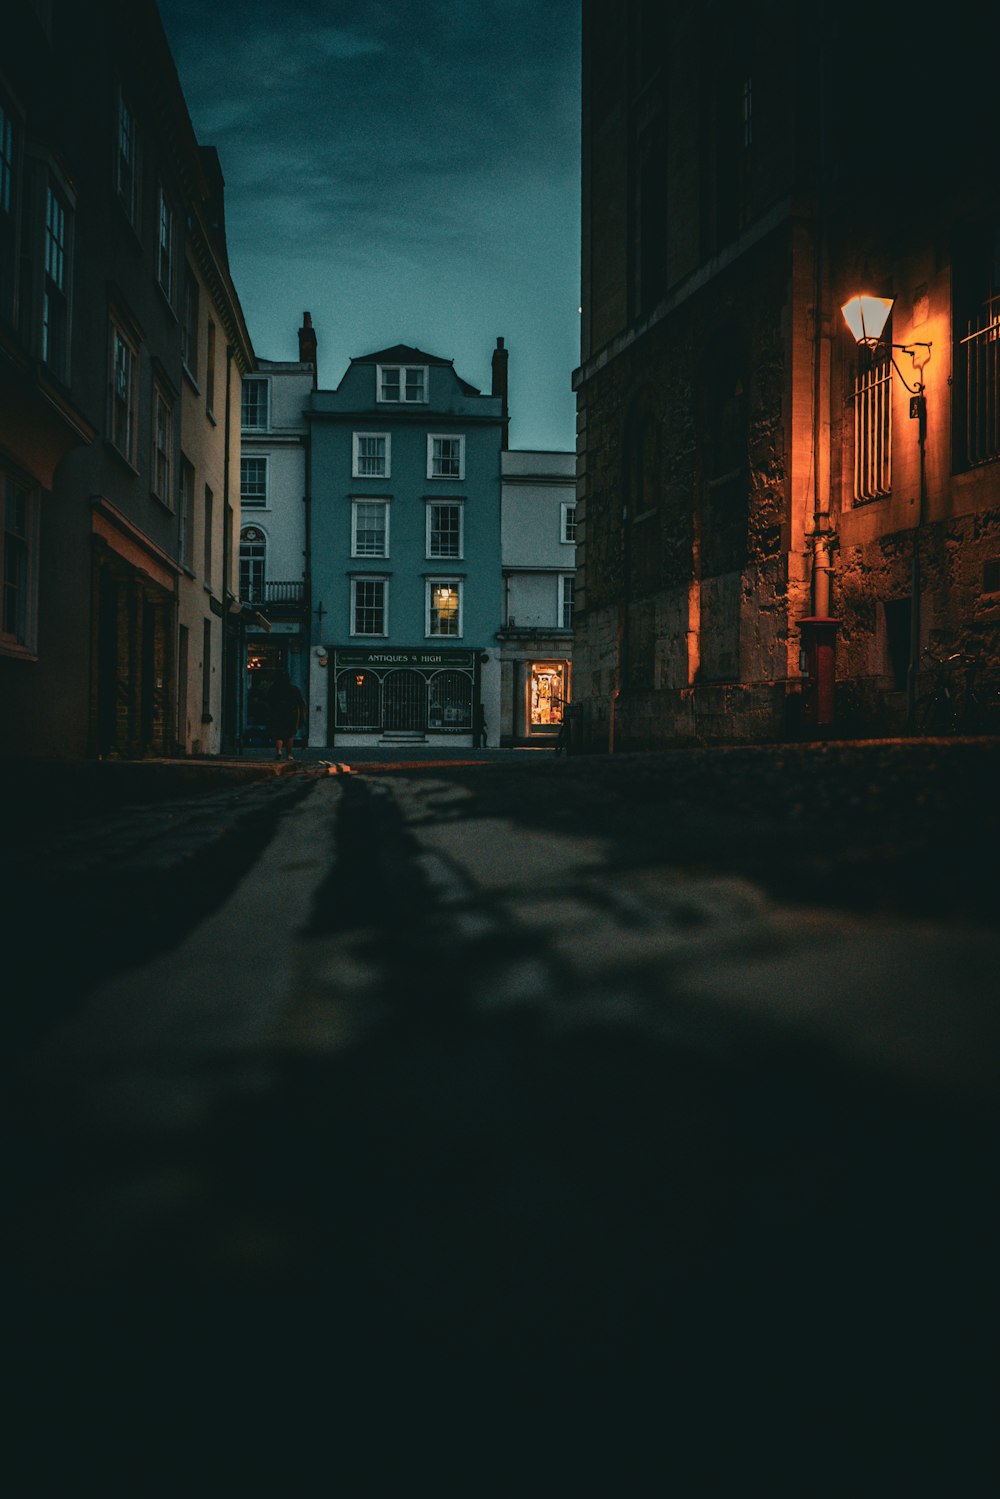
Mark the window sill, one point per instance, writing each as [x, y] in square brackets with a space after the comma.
[165, 299]
[211, 417]
[191, 380]
[16, 652]
[114, 449]
[188, 570]
[163, 504]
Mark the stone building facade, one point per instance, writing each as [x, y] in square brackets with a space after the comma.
[766, 542]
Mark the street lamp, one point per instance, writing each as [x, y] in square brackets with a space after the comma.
[866, 316]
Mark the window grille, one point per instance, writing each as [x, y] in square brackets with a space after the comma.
[405, 700]
[358, 700]
[981, 347]
[872, 425]
[450, 700]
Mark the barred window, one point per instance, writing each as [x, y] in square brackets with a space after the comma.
[873, 423]
[359, 703]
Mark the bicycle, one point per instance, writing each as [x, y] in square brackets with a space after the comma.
[960, 701]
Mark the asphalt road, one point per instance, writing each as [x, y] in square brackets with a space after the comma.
[530, 1126]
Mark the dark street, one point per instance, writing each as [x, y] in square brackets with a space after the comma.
[593, 1125]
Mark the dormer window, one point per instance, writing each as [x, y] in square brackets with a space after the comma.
[402, 382]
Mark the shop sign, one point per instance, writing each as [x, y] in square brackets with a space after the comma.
[426, 659]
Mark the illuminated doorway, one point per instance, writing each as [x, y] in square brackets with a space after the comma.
[546, 696]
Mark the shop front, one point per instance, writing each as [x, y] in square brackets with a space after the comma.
[381, 696]
[265, 655]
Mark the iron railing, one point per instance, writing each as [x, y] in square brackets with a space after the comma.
[982, 389]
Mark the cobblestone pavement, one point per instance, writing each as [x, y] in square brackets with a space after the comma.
[566, 1127]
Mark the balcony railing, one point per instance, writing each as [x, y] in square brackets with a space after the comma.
[276, 593]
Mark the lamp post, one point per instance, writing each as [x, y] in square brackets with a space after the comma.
[866, 316]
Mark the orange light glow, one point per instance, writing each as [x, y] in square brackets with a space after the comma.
[866, 316]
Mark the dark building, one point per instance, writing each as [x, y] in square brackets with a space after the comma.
[775, 523]
[122, 345]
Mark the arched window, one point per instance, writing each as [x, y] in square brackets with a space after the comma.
[405, 700]
[358, 705]
[450, 700]
[253, 560]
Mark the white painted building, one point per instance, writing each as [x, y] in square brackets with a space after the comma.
[274, 528]
[538, 549]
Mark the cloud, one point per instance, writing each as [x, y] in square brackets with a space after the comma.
[405, 158]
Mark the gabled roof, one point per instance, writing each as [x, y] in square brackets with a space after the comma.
[406, 354]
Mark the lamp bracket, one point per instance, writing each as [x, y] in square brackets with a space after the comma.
[918, 363]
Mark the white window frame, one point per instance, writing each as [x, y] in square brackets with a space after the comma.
[25, 643]
[356, 456]
[401, 383]
[458, 505]
[564, 579]
[254, 563]
[191, 294]
[57, 273]
[444, 581]
[257, 426]
[255, 504]
[10, 172]
[369, 500]
[127, 162]
[185, 513]
[370, 578]
[432, 438]
[118, 336]
[567, 508]
[166, 235]
[162, 466]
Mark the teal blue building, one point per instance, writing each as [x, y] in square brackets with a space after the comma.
[404, 552]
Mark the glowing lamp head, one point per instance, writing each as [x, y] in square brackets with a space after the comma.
[866, 316]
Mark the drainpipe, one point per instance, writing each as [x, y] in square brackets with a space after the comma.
[818, 631]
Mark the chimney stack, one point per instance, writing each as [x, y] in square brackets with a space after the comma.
[499, 387]
[307, 344]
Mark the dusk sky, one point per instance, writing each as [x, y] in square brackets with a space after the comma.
[406, 170]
